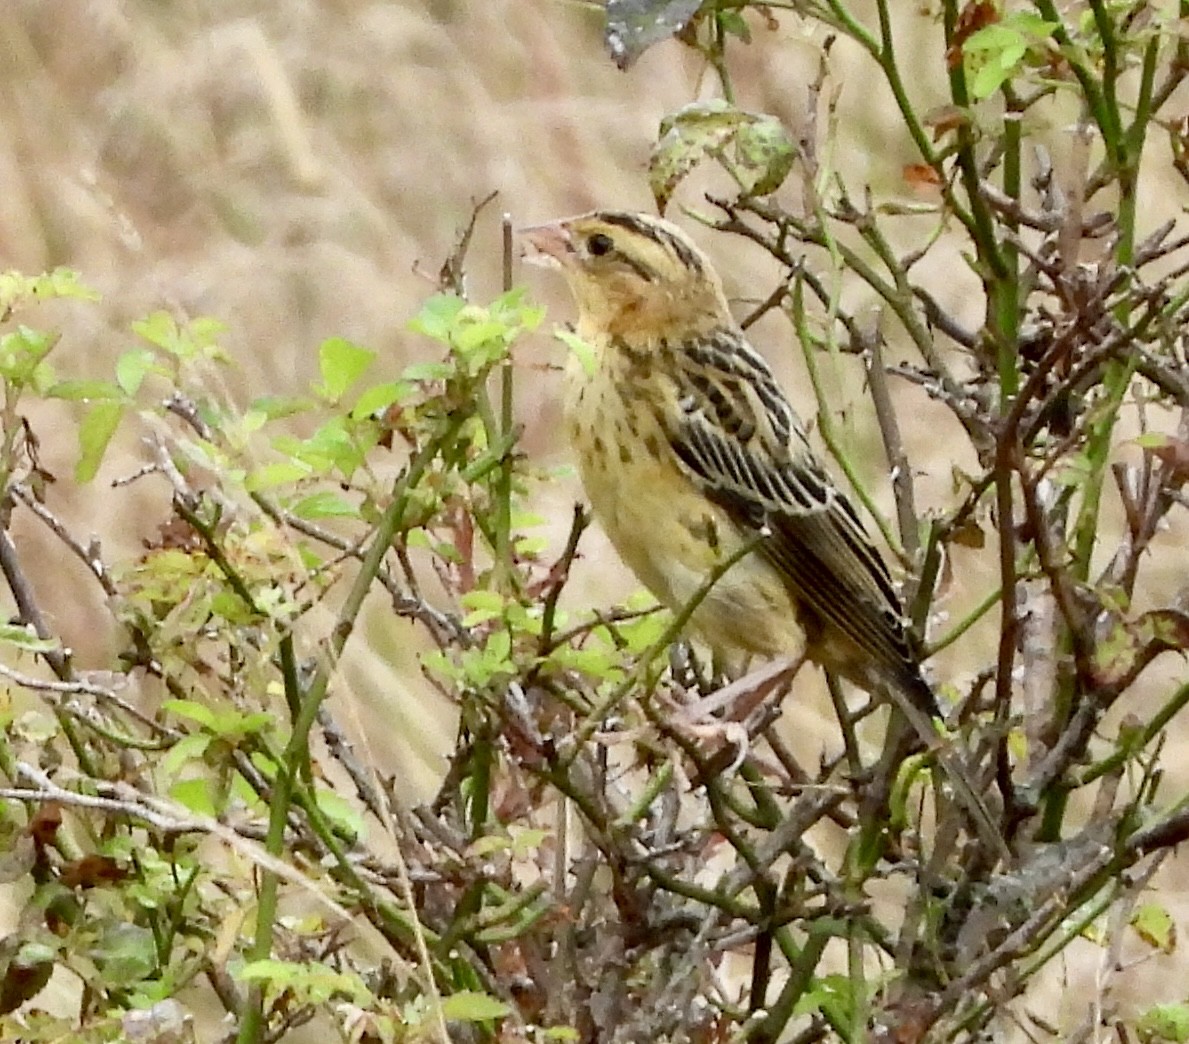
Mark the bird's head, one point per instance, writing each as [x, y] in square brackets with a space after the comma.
[632, 275]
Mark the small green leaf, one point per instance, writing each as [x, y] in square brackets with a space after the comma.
[132, 367]
[277, 407]
[482, 606]
[470, 1006]
[487, 845]
[584, 351]
[86, 391]
[194, 794]
[377, 399]
[437, 317]
[341, 364]
[340, 812]
[62, 282]
[23, 637]
[280, 473]
[1165, 1022]
[325, 505]
[191, 709]
[94, 436]
[1154, 924]
[188, 749]
[22, 352]
[754, 148]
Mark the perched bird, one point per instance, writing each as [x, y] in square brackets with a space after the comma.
[693, 459]
[690, 452]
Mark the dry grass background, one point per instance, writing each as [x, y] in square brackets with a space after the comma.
[295, 167]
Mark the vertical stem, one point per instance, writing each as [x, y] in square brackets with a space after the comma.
[503, 485]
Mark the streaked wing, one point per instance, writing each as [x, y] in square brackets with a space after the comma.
[741, 442]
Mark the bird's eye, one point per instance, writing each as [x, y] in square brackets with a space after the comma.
[599, 245]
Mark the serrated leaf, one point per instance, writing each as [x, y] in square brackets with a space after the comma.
[632, 26]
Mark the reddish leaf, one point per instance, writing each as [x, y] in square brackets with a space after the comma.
[1173, 453]
[28, 971]
[92, 871]
[946, 118]
[43, 827]
[921, 177]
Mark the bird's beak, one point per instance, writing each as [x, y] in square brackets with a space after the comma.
[549, 245]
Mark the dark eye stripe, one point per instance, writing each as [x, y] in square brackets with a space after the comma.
[641, 227]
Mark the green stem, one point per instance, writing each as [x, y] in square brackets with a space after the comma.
[296, 753]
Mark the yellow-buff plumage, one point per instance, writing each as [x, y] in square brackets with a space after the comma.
[689, 450]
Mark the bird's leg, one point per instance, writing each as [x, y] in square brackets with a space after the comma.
[739, 698]
[736, 713]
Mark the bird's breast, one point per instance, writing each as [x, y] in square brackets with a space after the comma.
[664, 528]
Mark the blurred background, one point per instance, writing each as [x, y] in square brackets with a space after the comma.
[300, 169]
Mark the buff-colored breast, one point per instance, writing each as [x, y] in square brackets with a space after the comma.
[663, 528]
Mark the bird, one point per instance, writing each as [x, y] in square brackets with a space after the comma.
[689, 451]
[698, 468]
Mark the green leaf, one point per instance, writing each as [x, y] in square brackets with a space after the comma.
[277, 407]
[194, 794]
[132, 367]
[470, 1006]
[1165, 1022]
[325, 505]
[377, 399]
[94, 436]
[437, 317]
[340, 812]
[125, 953]
[310, 983]
[482, 606]
[341, 364]
[23, 637]
[996, 52]
[191, 709]
[188, 749]
[832, 996]
[754, 148]
[584, 351]
[86, 391]
[1154, 924]
[279, 473]
[487, 845]
[22, 352]
[62, 282]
